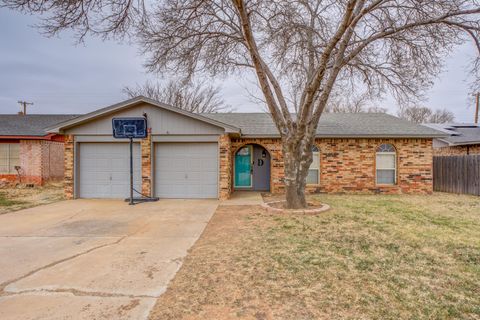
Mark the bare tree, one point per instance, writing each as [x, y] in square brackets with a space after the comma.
[375, 109]
[351, 103]
[193, 97]
[425, 115]
[441, 116]
[348, 103]
[415, 114]
[308, 48]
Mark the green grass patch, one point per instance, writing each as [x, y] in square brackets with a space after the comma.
[5, 202]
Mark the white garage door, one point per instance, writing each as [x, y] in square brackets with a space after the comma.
[186, 170]
[104, 170]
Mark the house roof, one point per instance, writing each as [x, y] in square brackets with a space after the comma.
[458, 134]
[34, 125]
[340, 125]
[56, 128]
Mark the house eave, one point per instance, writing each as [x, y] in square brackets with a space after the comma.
[28, 137]
[458, 144]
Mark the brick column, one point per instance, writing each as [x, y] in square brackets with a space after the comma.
[69, 167]
[225, 146]
[146, 146]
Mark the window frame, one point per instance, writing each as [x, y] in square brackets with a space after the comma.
[395, 169]
[10, 168]
[318, 169]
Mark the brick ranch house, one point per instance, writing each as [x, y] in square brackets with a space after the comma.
[29, 154]
[211, 155]
[460, 139]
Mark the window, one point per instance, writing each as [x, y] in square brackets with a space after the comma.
[386, 161]
[9, 157]
[313, 176]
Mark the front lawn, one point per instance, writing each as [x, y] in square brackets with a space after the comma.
[370, 257]
[20, 197]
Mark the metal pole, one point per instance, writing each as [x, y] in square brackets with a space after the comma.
[131, 172]
[477, 102]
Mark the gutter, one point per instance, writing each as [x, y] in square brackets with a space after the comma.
[277, 136]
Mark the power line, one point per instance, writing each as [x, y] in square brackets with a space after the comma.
[25, 104]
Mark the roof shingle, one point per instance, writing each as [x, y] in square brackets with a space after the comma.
[30, 124]
[332, 125]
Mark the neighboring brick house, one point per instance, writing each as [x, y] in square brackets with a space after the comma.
[28, 154]
[460, 139]
[211, 155]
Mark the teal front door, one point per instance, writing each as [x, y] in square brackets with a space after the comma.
[243, 167]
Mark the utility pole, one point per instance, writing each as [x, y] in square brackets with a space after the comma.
[25, 104]
[477, 102]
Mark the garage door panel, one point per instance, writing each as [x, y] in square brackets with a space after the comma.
[104, 170]
[186, 170]
[196, 177]
[101, 188]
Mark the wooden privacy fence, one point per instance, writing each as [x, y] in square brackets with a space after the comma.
[457, 174]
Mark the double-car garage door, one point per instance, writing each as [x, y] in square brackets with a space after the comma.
[180, 170]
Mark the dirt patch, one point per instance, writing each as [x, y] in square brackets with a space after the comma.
[14, 198]
[123, 309]
[370, 257]
[277, 204]
[312, 208]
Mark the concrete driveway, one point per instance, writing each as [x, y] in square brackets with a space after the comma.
[94, 259]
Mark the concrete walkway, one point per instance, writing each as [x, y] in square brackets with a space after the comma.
[94, 259]
[238, 198]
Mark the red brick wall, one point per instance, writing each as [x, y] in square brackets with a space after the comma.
[348, 165]
[31, 161]
[146, 150]
[226, 165]
[53, 161]
[41, 161]
[11, 178]
[69, 166]
[457, 150]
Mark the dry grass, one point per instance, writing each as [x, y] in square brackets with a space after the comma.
[21, 197]
[370, 257]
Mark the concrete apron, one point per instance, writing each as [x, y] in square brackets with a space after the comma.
[94, 259]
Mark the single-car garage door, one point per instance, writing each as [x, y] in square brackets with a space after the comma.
[186, 170]
[105, 170]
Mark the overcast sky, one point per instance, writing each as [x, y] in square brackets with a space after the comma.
[62, 77]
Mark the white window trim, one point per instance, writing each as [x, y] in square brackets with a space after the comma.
[318, 169]
[394, 154]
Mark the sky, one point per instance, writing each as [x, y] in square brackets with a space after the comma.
[63, 77]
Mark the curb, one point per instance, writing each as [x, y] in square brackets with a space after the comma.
[266, 205]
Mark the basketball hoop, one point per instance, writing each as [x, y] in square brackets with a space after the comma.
[131, 128]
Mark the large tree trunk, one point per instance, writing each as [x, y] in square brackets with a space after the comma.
[297, 155]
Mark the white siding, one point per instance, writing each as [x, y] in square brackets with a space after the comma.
[160, 120]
